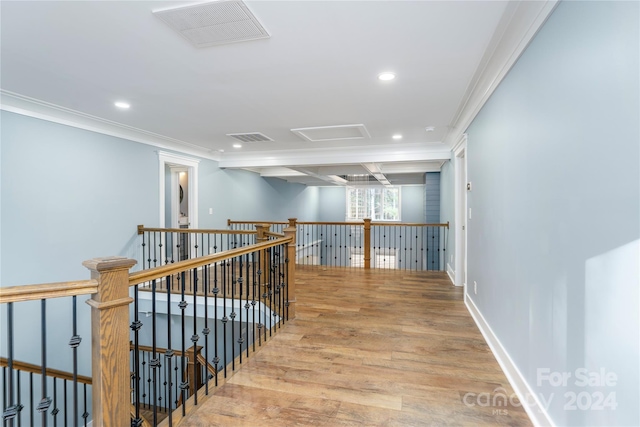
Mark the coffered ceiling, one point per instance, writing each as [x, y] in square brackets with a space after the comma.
[309, 84]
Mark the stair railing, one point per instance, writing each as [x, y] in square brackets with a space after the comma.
[366, 244]
[245, 294]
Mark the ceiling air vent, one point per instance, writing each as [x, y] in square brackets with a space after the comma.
[250, 137]
[332, 133]
[214, 23]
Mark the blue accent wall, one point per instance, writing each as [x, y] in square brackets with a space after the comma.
[553, 242]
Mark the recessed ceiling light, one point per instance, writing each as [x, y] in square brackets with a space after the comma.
[237, 145]
[397, 136]
[122, 104]
[386, 76]
[430, 128]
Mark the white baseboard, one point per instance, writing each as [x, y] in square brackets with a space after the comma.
[451, 273]
[529, 399]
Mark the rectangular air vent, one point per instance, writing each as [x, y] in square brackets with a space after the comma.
[214, 23]
[250, 137]
[332, 133]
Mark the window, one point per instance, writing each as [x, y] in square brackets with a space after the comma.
[377, 203]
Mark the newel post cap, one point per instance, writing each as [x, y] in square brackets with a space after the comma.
[109, 263]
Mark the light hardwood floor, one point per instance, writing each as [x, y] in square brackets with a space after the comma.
[368, 348]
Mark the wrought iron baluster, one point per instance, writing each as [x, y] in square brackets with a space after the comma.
[66, 411]
[206, 330]
[168, 355]
[12, 410]
[216, 357]
[135, 327]
[85, 414]
[45, 402]
[74, 343]
[253, 299]
[195, 337]
[31, 406]
[154, 362]
[55, 410]
[247, 306]
[225, 319]
[240, 286]
[184, 384]
[232, 316]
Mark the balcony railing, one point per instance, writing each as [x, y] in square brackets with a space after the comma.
[160, 339]
[364, 244]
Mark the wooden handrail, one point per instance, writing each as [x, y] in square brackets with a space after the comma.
[204, 362]
[229, 222]
[142, 229]
[47, 290]
[35, 369]
[357, 222]
[408, 224]
[169, 269]
[272, 234]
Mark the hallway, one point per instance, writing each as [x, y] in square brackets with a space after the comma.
[373, 348]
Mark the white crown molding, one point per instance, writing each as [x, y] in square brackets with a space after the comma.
[38, 109]
[410, 152]
[519, 24]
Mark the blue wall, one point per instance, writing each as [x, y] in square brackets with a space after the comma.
[553, 240]
[68, 195]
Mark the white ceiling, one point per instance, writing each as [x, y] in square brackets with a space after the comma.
[70, 61]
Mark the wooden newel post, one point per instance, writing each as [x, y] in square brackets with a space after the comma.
[291, 267]
[367, 243]
[110, 340]
[262, 230]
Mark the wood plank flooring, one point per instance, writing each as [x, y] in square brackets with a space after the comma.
[368, 348]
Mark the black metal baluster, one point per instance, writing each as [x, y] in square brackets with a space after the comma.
[216, 358]
[85, 414]
[154, 362]
[184, 384]
[168, 355]
[437, 245]
[12, 410]
[45, 402]
[253, 300]
[429, 251]
[19, 399]
[286, 282]
[322, 229]
[225, 319]
[206, 330]
[55, 410]
[240, 286]
[246, 304]
[74, 342]
[155, 249]
[135, 327]
[144, 244]
[232, 316]
[31, 406]
[66, 410]
[195, 337]
[144, 380]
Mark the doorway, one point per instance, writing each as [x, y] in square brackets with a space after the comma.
[178, 199]
[461, 213]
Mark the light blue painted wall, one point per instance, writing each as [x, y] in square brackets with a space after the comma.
[447, 210]
[554, 236]
[245, 196]
[333, 204]
[68, 195]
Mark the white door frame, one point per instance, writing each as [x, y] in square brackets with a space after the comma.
[191, 166]
[460, 168]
